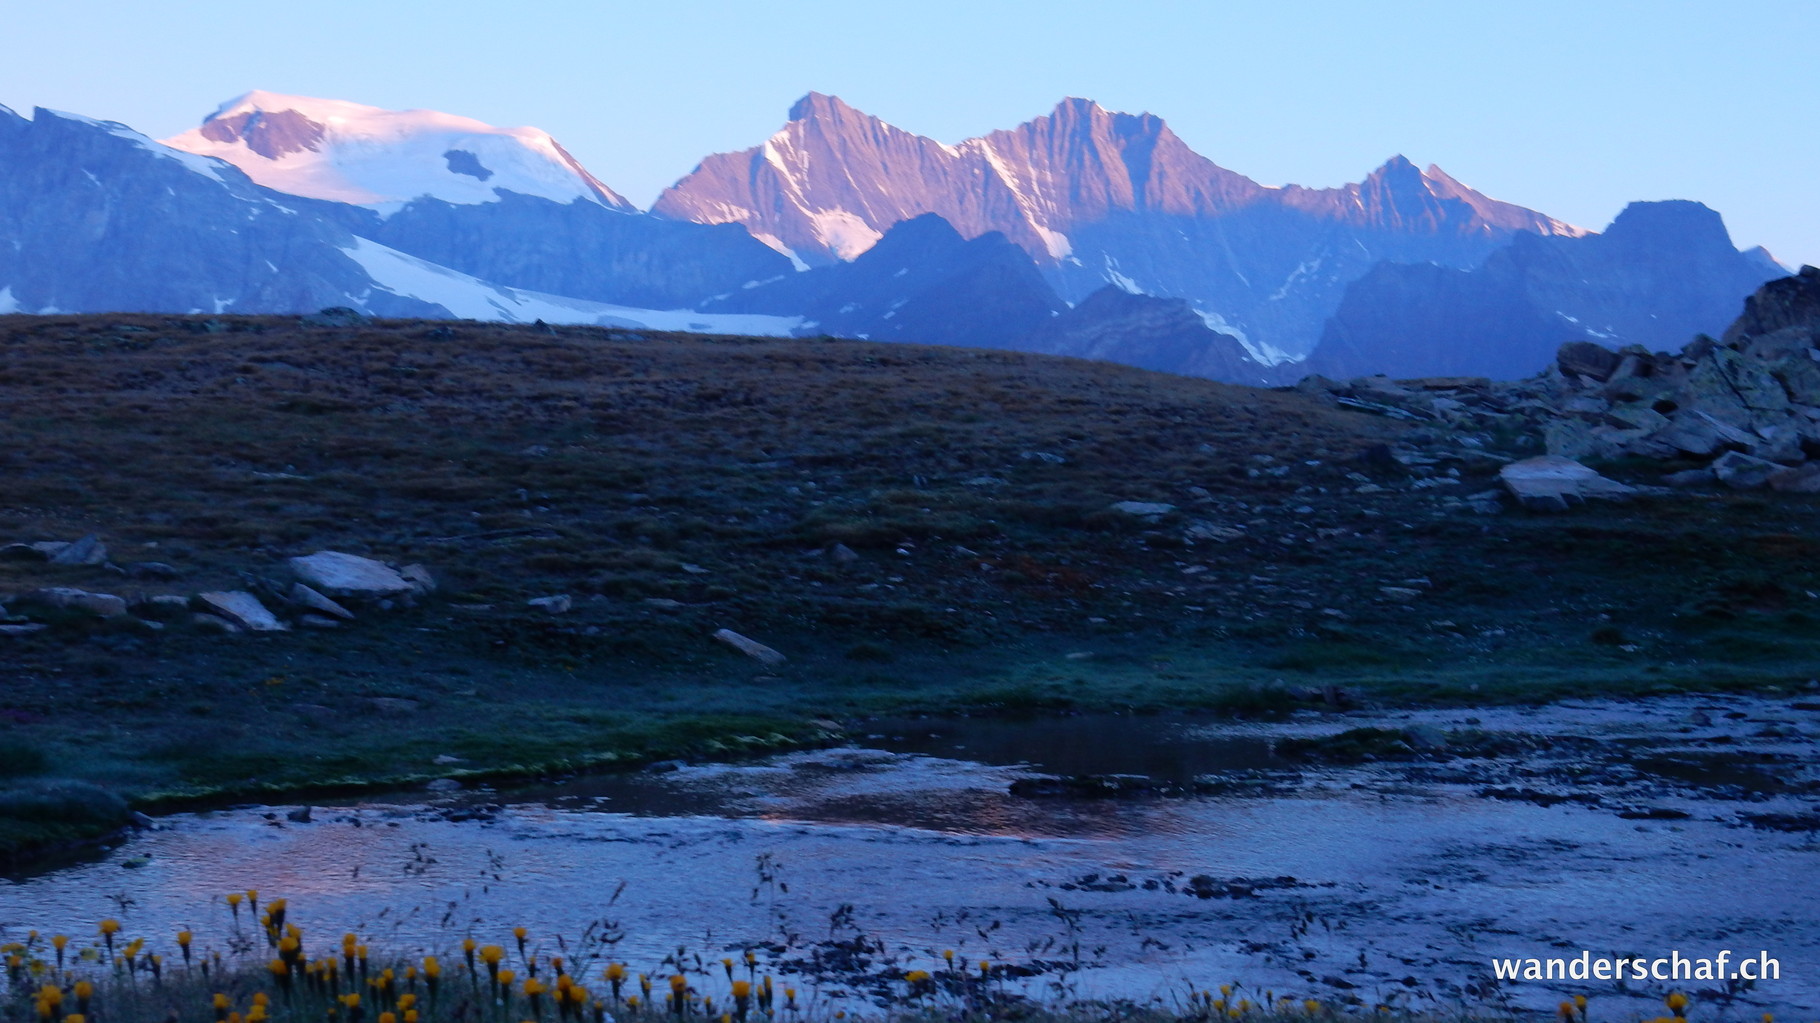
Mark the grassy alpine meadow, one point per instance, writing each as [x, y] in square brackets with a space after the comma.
[913, 530]
[265, 968]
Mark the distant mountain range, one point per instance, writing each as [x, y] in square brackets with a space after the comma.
[1084, 232]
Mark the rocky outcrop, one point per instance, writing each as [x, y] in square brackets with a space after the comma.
[1743, 412]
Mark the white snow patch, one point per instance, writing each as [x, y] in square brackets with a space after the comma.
[1302, 270]
[1261, 352]
[777, 243]
[471, 298]
[1055, 241]
[373, 157]
[843, 232]
[1123, 282]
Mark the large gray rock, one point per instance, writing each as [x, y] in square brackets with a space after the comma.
[1588, 360]
[1553, 483]
[349, 575]
[1740, 471]
[87, 551]
[242, 609]
[750, 647]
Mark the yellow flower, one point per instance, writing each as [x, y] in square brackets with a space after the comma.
[1676, 1002]
[59, 940]
[110, 927]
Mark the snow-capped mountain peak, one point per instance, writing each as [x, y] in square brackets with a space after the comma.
[350, 152]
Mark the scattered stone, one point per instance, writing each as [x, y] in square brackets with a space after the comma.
[444, 760]
[1553, 483]
[213, 622]
[316, 621]
[157, 570]
[555, 604]
[444, 785]
[1701, 477]
[24, 629]
[348, 575]
[337, 316]
[841, 554]
[241, 608]
[301, 815]
[1400, 594]
[87, 551]
[1213, 532]
[106, 605]
[1151, 510]
[304, 596]
[22, 552]
[665, 603]
[422, 582]
[750, 647]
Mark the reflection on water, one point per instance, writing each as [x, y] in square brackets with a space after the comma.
[917, 832]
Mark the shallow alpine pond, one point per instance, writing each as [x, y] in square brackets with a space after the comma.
[1092, 856]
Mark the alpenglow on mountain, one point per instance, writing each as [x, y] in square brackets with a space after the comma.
[1083, 232]
[347, 152]
[1098, 197]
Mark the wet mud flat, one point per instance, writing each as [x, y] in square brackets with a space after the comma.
[1370, 856]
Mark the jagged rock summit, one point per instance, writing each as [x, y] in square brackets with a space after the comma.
[1097, 197]
[353, 153]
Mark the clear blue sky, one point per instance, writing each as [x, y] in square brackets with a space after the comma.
[1570, 108]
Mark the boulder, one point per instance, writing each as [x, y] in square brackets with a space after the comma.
[303, 596]
[87, 551]
[106, 605]
[1587, 359]
[750, 647]
[1740, 471]
[556, 604]
[349, 575]
[242, 609]
[1553, 483]
[1699, 433]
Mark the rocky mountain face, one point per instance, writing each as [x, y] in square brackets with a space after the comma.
[94, 216]
[921, 282]
[1660, 273]
[1095, 197]
[1164, 334]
